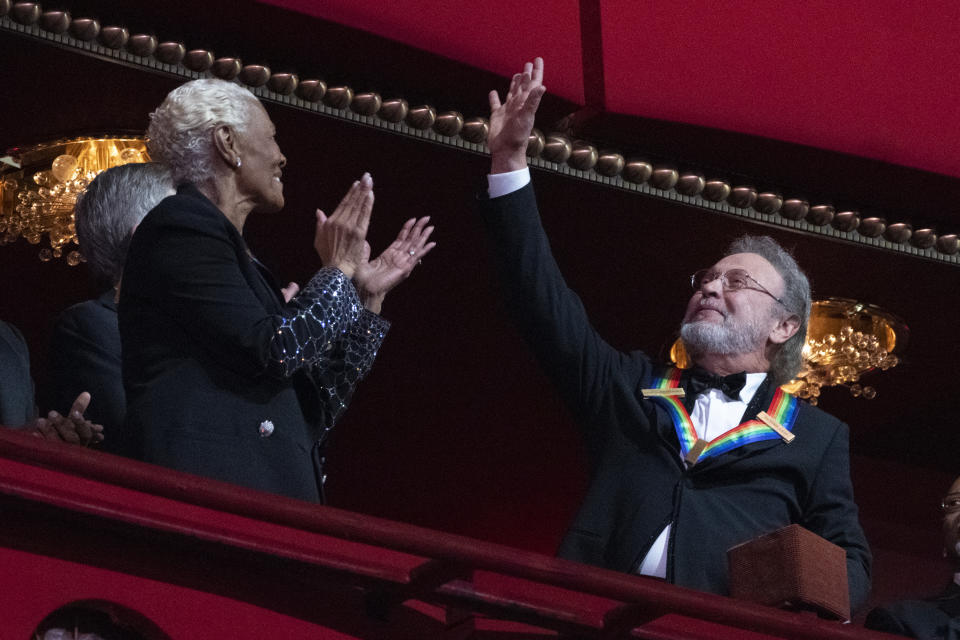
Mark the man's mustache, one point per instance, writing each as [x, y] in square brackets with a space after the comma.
[710, 307]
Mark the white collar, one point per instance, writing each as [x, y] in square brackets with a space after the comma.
[754, 380]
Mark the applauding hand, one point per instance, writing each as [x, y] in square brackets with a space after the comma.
[340, 240]
[375, 278]
[72, 428]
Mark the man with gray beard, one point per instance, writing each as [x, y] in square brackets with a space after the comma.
[685, 463]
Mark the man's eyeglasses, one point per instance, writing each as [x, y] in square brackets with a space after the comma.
[951, 503]
[732, 280]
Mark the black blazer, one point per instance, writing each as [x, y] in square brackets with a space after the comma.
[16, 386]
[85, 356]
[639, 483]
[223, 378]
[934, 619]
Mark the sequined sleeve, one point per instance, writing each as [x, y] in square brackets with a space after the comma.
[323, 322]
[347, 363]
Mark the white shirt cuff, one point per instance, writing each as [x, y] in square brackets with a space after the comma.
[500, 184]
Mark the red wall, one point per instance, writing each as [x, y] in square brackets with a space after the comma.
[868, 77]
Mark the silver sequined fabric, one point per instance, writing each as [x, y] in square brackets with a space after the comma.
[348, 362]
[331, 336]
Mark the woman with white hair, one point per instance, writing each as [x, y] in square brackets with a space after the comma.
[226, 374]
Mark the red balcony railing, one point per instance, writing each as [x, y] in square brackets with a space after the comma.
[206, 559]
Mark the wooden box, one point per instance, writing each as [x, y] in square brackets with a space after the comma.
[791, 567]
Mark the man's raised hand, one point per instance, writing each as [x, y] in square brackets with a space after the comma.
[511, 122]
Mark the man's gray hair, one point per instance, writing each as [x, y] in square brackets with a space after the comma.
[111, 207]
[788, 360]
[180, 134]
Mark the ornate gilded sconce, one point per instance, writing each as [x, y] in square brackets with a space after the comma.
[845, 340]
[39, 186]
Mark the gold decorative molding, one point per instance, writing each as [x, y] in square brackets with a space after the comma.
[550, 152]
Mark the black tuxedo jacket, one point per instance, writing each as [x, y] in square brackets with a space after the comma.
[222, 377]
[639, 483]
[85, 356]
[934, 619]
[16, 386]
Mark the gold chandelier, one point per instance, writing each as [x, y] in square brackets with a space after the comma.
[39, 186]
[845, 340]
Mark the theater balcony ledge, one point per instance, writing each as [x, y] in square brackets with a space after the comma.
[199, 557]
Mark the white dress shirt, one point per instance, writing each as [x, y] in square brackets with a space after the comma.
[500, 184]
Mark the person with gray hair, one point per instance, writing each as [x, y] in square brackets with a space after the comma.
[686, 464]
[109, 210]
[227, 375]
[85, 348]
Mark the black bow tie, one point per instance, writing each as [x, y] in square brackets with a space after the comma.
[701, 380]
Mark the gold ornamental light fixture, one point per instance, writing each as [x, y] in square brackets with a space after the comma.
[39, 186]
[845, 340]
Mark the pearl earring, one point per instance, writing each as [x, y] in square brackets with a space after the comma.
[238, 163]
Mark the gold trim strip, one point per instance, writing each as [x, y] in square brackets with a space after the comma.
[608, 169]
[663, 393]
[694, 454]
[771, 422]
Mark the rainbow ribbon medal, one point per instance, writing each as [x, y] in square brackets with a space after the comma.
[776, 422]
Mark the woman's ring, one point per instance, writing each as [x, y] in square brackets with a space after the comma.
[412, 253]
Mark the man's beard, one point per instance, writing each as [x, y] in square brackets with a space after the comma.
[701, 336]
